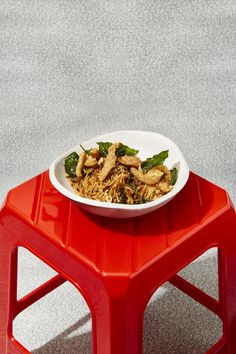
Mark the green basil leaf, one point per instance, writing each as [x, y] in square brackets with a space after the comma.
[86, 151]
[71, 163]
[155, 160]
[123, 197]
[103, 148]
[174, 175]
[125, 150]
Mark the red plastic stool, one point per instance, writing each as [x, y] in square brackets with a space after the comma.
[117, 264]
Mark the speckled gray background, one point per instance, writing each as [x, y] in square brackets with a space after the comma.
[70, 70]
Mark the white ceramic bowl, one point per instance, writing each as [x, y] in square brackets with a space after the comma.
[148, 144]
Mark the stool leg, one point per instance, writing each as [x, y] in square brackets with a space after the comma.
[117, 327]
[227, 297]
[4, 300]
[8, 283]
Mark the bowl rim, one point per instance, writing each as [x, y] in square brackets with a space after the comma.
[109, 205]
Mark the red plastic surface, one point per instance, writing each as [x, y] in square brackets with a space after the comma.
[117, 264]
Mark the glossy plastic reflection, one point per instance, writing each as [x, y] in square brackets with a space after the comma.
[117, 264]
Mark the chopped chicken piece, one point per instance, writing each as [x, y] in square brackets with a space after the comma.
[152, 177]
[80, 164]
[166, 171]
[130, 161]
[95, 153]
[101, 161]
[164, 186]
[150, 191]
[109, 163]
[90, 161]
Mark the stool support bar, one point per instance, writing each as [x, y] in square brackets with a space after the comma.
[38, 293]
[195, 293]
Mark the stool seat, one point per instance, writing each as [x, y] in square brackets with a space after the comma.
[117, 264]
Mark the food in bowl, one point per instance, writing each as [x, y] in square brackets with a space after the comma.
[113, 172]
[149, 144]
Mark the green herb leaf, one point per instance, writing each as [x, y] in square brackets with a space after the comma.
[155, 160]
[174, 175]
[103, 148]
[125, 150]
[131, 182]
[123, 197]
[120, 151]
[143, 200]
[86, 151]
[71, 163]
